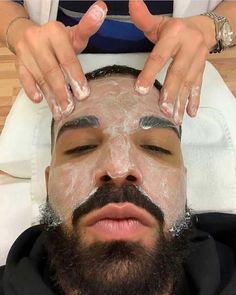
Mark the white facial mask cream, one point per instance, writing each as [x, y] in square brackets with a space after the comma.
[121, 114]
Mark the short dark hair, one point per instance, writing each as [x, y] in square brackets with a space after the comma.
[106, 72]
[117, 69]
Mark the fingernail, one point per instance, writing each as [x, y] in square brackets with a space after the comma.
[70, 104]
[194, 110]
[168, 108]
[56, 110]
[141, 89]
[177, 118]
[163, 95]
[97, 13]
[37, 96]
[80, 92]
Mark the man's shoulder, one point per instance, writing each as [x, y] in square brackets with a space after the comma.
[2, 268]
[220, 226]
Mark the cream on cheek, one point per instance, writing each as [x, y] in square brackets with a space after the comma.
[166, 187]
[70, 185]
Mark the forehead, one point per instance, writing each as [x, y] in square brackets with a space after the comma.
[114, 101]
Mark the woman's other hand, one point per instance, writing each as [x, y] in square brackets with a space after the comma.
[184, 40]
[47, 60]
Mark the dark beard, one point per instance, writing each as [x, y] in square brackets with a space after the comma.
[114, 267]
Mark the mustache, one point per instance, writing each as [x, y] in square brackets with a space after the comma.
[108, 193]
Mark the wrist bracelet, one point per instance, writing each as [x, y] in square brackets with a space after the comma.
[7, 30]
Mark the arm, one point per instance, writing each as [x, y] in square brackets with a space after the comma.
[9, 11]
[227, 9]
[187, 41]
[46, 55]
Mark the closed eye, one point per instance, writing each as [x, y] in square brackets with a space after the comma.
[156, 149]
[80, 150]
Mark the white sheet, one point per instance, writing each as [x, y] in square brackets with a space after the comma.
[15, 211]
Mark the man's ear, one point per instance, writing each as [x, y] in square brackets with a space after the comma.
[47, 170]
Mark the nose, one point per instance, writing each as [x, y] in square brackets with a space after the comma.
[133, 176]
[116, 166]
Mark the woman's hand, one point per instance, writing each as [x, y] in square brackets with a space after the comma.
[47, 61]
[185, 42]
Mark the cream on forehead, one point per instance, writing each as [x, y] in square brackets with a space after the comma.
[116, 104]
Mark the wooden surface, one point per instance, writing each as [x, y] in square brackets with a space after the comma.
[10, 85]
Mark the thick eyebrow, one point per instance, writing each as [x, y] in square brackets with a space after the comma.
[149, 122]
[81, 122]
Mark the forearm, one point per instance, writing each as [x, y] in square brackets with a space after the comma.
[9, 11]
[206, 25]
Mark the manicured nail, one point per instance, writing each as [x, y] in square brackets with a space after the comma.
[56, 109]
[164, 95]
[141, 89]
[194, 110]
[177, 119]
[80, 92]
[177, 116]
[56, 112]
[83, 92]
[70, 104]
[168, 108]
[97, 13]
[38, 96]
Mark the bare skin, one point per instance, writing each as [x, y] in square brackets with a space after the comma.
[173, 38]
[44, 69]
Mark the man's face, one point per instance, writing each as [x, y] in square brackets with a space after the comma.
[117, 175]
[117, 137]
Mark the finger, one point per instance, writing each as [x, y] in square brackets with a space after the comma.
[195, 77]
[28, 83]
[80, 34]
[177, 78]
[143, 19]
[160, 54]
[190, 89]
[194, 98]
[54, 78]
[88, 25]
[53, 104]
[30, 86]
[180, 105]
[28, 65]
[70, 65]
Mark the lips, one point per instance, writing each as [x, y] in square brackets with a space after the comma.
[118, 212]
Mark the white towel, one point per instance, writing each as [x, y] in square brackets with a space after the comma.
[15, 212]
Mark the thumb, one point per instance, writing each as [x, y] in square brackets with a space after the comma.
[143, 19]
[88, 25]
